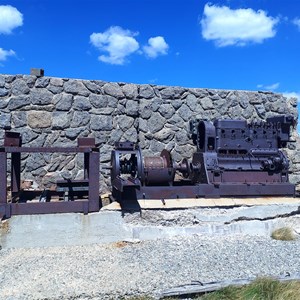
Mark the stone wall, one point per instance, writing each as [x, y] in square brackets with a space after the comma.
[55, 112]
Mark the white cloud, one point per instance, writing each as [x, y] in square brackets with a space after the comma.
[296, 21]
[156, 46]
[10, 18]
[239, 27]
[271, 87]
[6, 53]
[292, 95]
[119, 43]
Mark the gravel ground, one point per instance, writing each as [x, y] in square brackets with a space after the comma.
[126, 269]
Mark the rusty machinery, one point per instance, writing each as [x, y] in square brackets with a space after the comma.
[79, 195]
[233, 158]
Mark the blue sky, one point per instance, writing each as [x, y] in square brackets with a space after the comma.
[229, 44]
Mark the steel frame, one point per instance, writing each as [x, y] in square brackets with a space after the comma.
[126, 190]
[91, 175]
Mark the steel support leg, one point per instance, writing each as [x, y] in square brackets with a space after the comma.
[94, 202]
[4, 207]
[15, 172]
[86, 165]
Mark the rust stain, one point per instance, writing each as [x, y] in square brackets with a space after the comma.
[120, 244]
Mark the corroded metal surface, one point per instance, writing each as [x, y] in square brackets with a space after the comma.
[233, 158]
[86, 191]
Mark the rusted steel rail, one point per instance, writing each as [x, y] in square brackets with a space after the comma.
[89, 185]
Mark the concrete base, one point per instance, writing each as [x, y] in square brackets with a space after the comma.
[109, 226]
[63, 229]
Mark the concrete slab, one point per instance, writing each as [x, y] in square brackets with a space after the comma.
[62, 229]
[200, 216]
[260, 213]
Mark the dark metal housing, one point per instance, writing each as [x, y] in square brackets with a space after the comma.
[233, 158]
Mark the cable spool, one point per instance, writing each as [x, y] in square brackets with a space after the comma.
[131, 165]
[159, 170]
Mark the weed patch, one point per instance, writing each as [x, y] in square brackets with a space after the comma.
[283, 234]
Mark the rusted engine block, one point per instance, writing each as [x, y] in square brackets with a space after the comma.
[233, 158]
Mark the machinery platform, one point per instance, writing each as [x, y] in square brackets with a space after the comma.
[200, 202]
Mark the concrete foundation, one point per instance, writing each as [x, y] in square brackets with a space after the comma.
[113, 225]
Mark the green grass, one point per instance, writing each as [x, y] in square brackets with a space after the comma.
[283, 234]
[260, 289]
